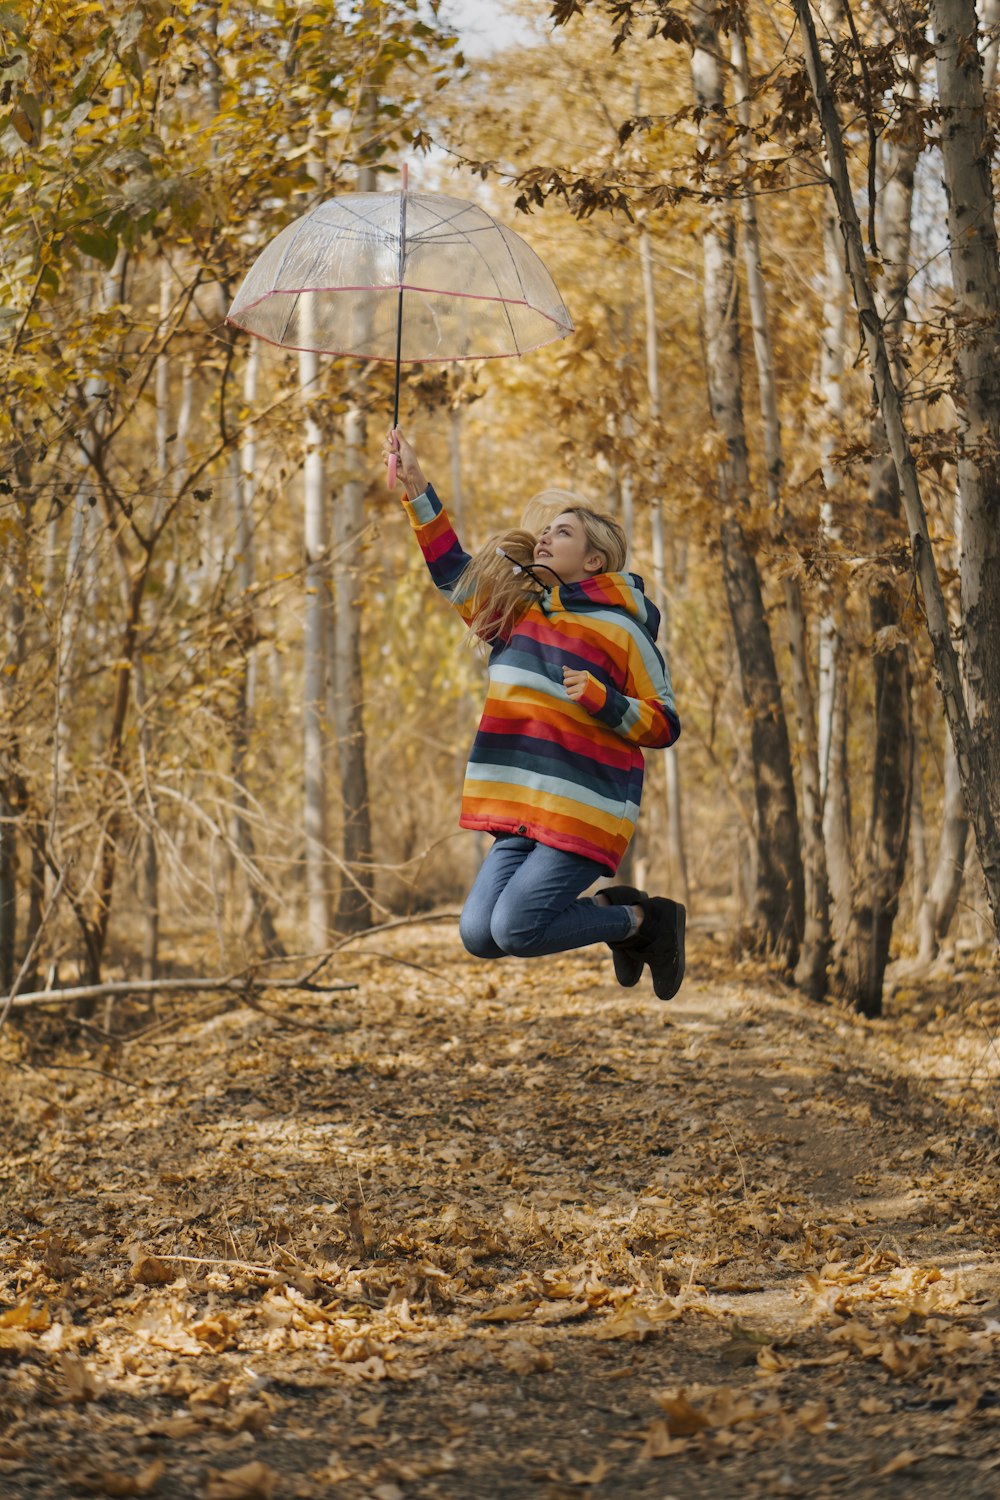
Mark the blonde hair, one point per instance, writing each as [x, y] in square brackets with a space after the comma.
[500, 591]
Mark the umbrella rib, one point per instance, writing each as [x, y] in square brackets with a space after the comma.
[500, 296]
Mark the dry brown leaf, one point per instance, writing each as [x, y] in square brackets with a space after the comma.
[814, 1417]
[592, 1476]
[78, 1379]
[507, 1312]
[216, 1333]
[372, 1415]
[27, 1316]
[110, 1482]
[628, 1322]
[683, 1419]
[252, 1481]
[523, 1358]
[216, 1394]
[904, 1460]
[149, 1270]
[659, 1443]
[335, 1471]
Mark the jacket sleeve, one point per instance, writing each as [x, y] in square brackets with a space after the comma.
[645, 713]
[443, 553]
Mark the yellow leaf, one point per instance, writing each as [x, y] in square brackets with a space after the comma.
[253, 1481]
[593, 1476]
[149, 1270]
[110, 1482]
[524, 1358]
[902, 1460]
[683, 1419]
[659, 1443]
[25, 1315]
[508, 1312]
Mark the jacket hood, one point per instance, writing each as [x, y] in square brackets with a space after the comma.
[622, 591]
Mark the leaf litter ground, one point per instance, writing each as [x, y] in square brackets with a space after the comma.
[498, 1231]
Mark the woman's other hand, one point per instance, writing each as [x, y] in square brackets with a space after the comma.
[408, 466]
[575, 683]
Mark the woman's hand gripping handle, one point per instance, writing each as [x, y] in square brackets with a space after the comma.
[402, 463]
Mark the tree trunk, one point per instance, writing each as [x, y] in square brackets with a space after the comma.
[244, 484]
[833, 655]
[991, 25]
[354, 909]
[881, 861]
[316, 665]
[779, 899]
[676, 851]
[811, 970]
[11, 800]
[357, 876]
[938, 907]
[967, 149]
[971, 757]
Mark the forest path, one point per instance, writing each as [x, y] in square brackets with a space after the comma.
[497, 1231]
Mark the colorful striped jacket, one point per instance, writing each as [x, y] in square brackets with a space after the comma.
[566, 774]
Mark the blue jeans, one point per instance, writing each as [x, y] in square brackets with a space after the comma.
[525, 903]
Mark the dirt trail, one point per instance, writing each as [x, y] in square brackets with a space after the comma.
[503, 1231]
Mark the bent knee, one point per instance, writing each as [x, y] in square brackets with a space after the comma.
[514, 939]
[477, 939]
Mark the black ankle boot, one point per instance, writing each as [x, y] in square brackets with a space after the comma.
[660, 943]
[628, 964]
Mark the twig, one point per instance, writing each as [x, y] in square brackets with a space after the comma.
[78, 1068]
[293, 1021]
[407, 963]
[739, 1159]
[230, 1265]
[232, 983]
[440, 916]
[29, 958]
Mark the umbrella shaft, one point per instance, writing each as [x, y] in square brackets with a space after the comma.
[399, 308]
[399, 345]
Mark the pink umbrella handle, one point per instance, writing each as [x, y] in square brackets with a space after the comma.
[393, 466]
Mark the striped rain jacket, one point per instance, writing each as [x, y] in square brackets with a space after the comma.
[565, 774]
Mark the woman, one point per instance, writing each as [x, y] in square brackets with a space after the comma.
[576, 688]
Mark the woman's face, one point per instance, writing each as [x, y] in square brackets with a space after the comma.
[563, 549]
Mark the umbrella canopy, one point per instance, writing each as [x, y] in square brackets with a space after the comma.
[336, 281]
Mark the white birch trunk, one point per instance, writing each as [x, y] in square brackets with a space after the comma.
[972, 763]
[831, 688]
[811, 971]
[315, 665]
[937, 910]
[354, 911]
[354, 906]
[676, 851]
[990, 12]
[967, 147]
[780, 897]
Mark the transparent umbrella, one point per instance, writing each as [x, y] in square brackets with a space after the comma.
[402, 277]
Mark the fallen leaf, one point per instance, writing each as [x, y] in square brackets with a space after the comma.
[592, 1476]
[524, 1358]
[253, 1481]
[904, 1460]
[149, 1270]
[110, 1482]
[79, 1381]
[659, 1442]
[507, 1312]
[683, 1419]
